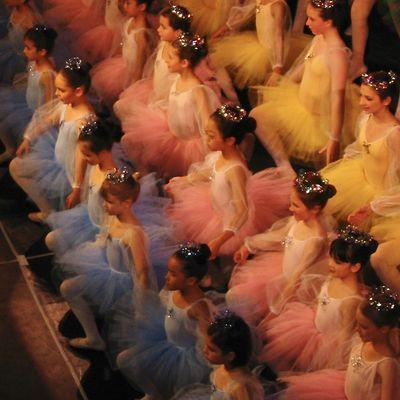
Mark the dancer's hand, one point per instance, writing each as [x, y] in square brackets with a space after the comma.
[24, 148]
[73, 199]
[332, 150]
[241, 255]
[359, 216]
[221, 32]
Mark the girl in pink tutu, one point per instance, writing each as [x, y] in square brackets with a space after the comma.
[309, 338]
[174, 21]
[220, 201]
[114, 74]
[170, 141]
[373, 371]
[291, 248]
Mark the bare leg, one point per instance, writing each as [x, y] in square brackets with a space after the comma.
[360, 11]
[72, 291]
[300, 17]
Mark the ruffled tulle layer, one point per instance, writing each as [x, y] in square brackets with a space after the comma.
[109, 78]
[197, 219]
[149, 141]
[208, 16]
[244, 56]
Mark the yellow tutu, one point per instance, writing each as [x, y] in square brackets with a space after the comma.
[208, 15]
[244, 56]
[353, 191]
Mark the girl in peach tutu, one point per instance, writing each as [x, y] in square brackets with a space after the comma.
[373, 371]
[308, 338]
[220, 201]
[174, 21]
[170, 141]
[114, 74]
[283, 254]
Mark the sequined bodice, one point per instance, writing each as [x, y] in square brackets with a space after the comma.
[376, 158]
[361, 376]
[179, 328]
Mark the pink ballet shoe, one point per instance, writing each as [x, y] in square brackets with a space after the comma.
[85, 344]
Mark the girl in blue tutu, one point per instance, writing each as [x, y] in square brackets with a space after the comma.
[228, 346]
[165, 352]
[12, 60]
[49, 166]
[16, 105]
[82, 223]
[113, 265]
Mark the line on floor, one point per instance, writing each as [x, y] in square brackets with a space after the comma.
[39, 305]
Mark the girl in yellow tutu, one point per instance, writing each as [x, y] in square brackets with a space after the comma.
[303, 116]
[367, 179]
[250, 56]
[208, 15]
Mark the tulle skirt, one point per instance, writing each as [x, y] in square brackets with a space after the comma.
[109, 78]
[209, 17]
[60, 13]
[197, 219]
[159, 367]
[12, 61]
[149, 141]
[247, 294]
[294, 343]
[14, 114]
[244, 56]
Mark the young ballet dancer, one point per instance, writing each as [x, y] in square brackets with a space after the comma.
[367, 177]
[17, 106]
[170, 141]
[251, 56]
[82, 223]
[230, 203]
[165, 354]
[173, 22]
[228, 346]
[49, 167]
[304, 116]
[12, 60]
[116, 73]
[373, 370]
[292, 248]
[320, 334]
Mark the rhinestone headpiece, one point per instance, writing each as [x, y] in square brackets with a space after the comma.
[73, 64]
[379, 84]
[222, 319]
[89, 128]
[304, 184]
[324, 3]
[119, 175]
[194, 42]
[383, 299]
[352, 235]
[190, 249]
[40, 28]
[233, 113]
[181, 12]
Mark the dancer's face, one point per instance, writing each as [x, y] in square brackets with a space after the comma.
[370, 101]
[342, 270]
[132, 9]
[215, 141]
[114, 205]
[314, 21]
[299, 210]
[64, 91]
[366, 328]
[175, 278]
[213, 353]
[91, 157]
[30, 50]
[166, 32]
[173, 61]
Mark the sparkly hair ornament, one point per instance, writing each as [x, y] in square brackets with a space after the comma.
[232, 113]
[181, 12]
[89, 127]
[194, 42]
[118, 176]
[326, 4]
[222, 320]
[350, 234]
[73, 64]
[190, 249]
[304, 182]
[383, 299]
[379, 84]
[40, 28]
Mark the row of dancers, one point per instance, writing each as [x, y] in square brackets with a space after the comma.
[300, 295]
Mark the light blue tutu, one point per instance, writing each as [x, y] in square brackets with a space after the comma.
[12, 60]
[165, 354]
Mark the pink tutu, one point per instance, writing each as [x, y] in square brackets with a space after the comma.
[196, 218]
[327, 384]
[60, 13]
[150, 143]
[96, 44]
[247, 294]
[109, 78]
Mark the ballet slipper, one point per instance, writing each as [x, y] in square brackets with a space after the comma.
[85, 344]
[38, 217]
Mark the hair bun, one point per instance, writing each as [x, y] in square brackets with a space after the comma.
[249, 124]
[330, 191]
[205, 252]
[51, 33]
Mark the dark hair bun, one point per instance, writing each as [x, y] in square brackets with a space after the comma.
[205, 253]
[330, 191]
